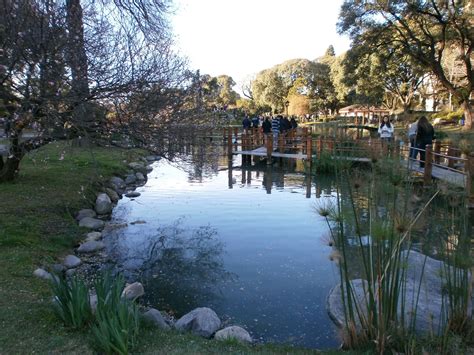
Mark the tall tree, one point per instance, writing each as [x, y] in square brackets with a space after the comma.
[423, 30]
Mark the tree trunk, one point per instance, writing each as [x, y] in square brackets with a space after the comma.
[9, 169]
[468, 114]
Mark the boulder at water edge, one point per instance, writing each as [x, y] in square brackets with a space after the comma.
[103, 204]
[130, 179]
[138, 167]
[118, 182]
[93, 236]
[234, 332]
[140, 176]
[200, 321]
[85, 213]
[71, 261]
[424, 294]
[90, 247]
[113, 195]
[133, 291]
[154, 317]
[91, 223]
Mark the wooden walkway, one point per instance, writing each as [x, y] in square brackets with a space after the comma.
[442, 162]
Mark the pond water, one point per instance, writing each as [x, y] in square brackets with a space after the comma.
[246, 243]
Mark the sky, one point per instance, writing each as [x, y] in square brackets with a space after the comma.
[241, 37]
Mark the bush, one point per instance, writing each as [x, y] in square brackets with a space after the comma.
[71, 302]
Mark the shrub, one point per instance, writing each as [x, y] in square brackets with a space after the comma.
[71, 301]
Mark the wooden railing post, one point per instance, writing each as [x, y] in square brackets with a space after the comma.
[437, 150]
[450, 154]
[428, 165]
[320, 147]
[470, 178]
[229, 142]
[309, 149]
[281, 138]
[269, 148]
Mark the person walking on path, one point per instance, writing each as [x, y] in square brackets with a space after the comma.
[412, 129]
[424, 135]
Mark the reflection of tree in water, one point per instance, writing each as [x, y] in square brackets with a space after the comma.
[181, 269]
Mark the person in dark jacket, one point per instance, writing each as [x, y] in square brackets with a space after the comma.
[246, 123]
[293, 122]
[424, 136]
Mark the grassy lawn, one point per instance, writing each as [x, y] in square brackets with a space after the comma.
[37, 227]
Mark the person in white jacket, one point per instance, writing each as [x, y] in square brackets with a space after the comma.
[386, 130]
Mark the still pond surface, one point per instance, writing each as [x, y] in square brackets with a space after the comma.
[247, 244]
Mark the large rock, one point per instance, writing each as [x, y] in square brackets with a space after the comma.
[130, 179]
[152, 158]
[103, 204]
[91, 223]
[154, 317]
[90, 247]
[113, 195]
[423, 297]
[85, 213]
[43, 274]
[118, 182]
[140, 177]
[71, 261]
[133, 291]
[200, 321]
[234, 332]
[138, 167]
[335, 306]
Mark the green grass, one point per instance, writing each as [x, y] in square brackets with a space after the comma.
[37, 227]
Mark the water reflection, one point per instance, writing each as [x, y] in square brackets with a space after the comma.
[181, 268]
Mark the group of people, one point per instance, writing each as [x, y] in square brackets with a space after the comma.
[276, 125]
[420, 133]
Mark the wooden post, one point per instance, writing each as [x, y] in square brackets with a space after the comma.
[320, 147]
[437, 150]
[428, 166]
[309, 149]
[229, 142]
[281, 138]
[470, 179]
[450, 154]
[269, 148]
[397, 149]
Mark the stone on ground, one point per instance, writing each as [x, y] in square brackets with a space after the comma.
[154, 317]
[201, 321]
[234, 332]
[138, 167]
[58, 268]
[90, 247]
[85, 213]
[133, 291]
[103, 204]
[130, 179]
[140, 176]
[43, 274]
[71, 261]
[91, 223]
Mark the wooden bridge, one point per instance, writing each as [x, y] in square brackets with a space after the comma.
[442, 162]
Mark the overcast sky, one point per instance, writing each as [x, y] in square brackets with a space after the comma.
[241, 37]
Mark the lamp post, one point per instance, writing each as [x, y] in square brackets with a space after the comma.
[287, 103]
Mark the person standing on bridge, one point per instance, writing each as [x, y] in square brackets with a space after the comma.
[412, 129]
[424, 135]
[276, 122]
[386, 130]
[266, 128]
